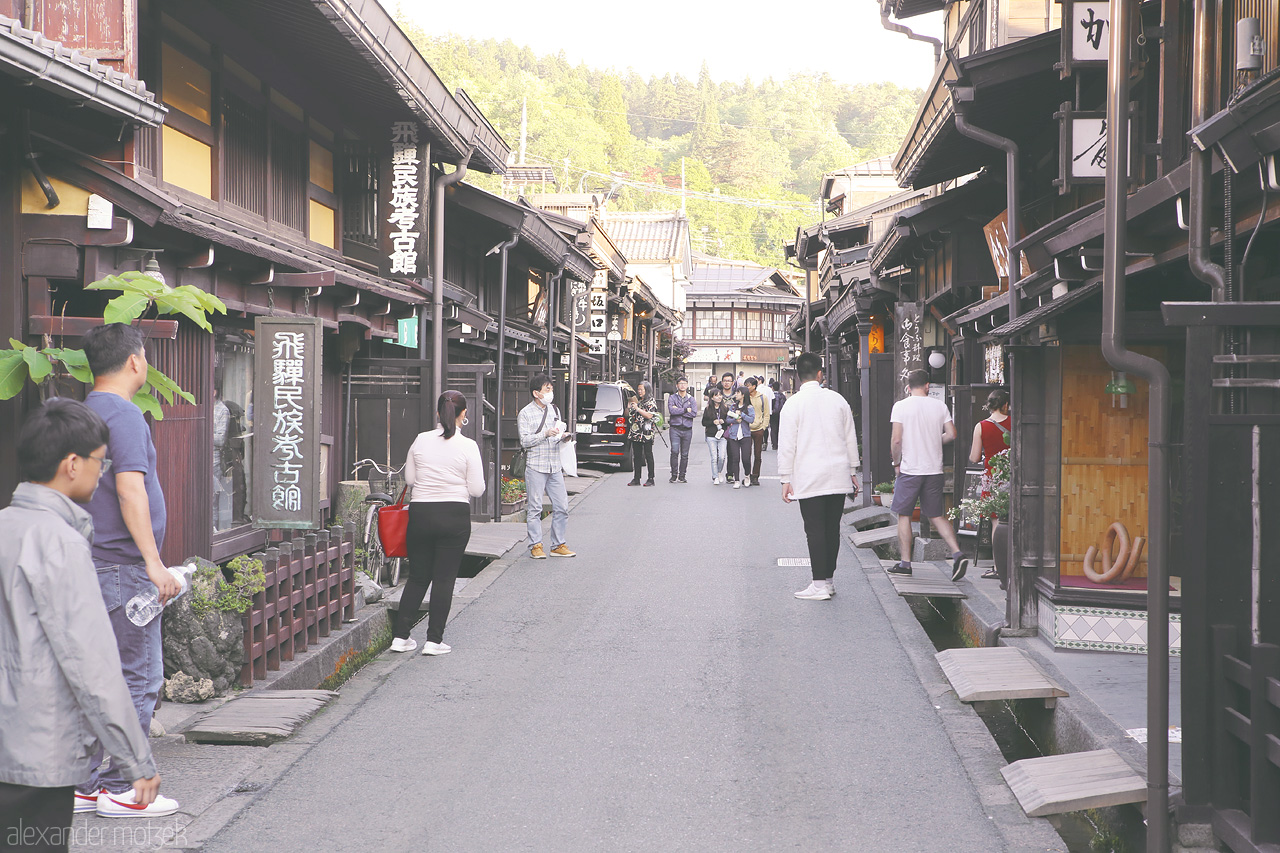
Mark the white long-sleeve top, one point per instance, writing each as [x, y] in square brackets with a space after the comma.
[818, 443]
[441, 469]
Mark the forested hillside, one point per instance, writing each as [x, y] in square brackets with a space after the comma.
[753, 151]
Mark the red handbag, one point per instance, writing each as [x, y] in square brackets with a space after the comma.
[393, 527]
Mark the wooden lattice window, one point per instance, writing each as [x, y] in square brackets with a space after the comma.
[244, 173]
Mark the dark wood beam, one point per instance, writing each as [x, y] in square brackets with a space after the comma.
[44, 324]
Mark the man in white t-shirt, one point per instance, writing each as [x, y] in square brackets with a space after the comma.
[921, 425]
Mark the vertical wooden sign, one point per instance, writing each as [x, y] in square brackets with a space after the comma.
[404, 191]
[287, 486]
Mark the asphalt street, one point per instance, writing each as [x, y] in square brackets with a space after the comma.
[662, 691]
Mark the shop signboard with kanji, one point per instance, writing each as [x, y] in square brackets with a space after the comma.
[287, 487]
[402, 202]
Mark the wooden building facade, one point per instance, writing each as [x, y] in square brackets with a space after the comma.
[270, 148]
[1019, 103]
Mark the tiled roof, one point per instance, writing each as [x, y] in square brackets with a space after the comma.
[71, 72]
[721, 275]
[649, 236]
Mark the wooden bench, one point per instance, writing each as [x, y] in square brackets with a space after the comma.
[1074, 782]
[925, 580]
[995, 673]
[874, 536]
[259, 718]
[493, 539]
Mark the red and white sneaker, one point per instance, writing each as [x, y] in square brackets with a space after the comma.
[87, 803]
[124, 805]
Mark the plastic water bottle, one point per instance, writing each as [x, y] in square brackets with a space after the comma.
[145, 606]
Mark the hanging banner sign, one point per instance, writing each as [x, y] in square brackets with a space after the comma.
[909, 351]
[287, 485]
[402, 202]
[581, 307]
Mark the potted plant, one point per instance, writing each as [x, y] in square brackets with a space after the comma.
[513, 496]
[884, 494]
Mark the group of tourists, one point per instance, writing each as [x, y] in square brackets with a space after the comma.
[738, 417]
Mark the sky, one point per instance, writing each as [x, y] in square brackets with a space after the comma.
[754, 39]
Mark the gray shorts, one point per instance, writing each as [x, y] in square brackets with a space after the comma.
[927, 487]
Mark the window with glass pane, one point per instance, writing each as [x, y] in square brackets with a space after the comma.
[747, 325]
[714, 325]
[232, 426]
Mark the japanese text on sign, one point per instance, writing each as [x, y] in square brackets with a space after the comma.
[290, 491]
[288, 356]
[404, 198]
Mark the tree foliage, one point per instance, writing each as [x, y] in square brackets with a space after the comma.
[138, 294]
[769, 141]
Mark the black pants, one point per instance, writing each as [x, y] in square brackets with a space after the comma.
[773, 429]
[740, 455]
[822, 528]
[436, 539]
[35, 819]
[642, 453]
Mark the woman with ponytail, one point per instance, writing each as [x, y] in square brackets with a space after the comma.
[443, 472]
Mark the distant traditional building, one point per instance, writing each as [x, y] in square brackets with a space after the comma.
[736, 319]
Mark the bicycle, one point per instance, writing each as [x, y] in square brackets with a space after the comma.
[377, 564]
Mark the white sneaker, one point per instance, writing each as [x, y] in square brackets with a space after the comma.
[125, 805]
[87, 803]
[737, 484]
[813, 592]
[831, 587]
[430, 648]
[408, 644]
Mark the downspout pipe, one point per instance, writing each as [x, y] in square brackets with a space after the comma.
[1156, 374]
[439, 338]
[911, 34]
[963, 95]
[552, 287]
[502, 249]
[1202, 268]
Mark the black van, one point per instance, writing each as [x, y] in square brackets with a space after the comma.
[602, 423]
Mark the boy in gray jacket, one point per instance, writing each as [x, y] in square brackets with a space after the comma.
[61, 687]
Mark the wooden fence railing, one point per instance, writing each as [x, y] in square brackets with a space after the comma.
[1246, 689]
[310, 591]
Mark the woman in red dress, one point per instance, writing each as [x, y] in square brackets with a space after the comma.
[990, 437]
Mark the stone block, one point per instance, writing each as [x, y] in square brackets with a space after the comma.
[927, 550]
[1197, 835]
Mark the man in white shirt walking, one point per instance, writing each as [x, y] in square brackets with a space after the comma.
[818, 461]
[541, 434]
[921, 425]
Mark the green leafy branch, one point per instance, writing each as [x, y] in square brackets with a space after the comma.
[139, 293]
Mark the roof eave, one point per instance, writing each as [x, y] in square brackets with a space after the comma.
[77, 83]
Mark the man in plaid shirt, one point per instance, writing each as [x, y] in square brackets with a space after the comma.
[541, 434]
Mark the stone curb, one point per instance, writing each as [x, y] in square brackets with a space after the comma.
[977, 750]
[280, 757]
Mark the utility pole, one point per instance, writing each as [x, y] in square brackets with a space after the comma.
[524, 125]
[682, 191]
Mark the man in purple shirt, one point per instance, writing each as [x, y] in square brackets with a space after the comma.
[129, 520]
[682, 408]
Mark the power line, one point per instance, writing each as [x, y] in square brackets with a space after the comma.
[689, 121]
[697, 195]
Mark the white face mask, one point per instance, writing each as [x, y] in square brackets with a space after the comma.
[547, 397]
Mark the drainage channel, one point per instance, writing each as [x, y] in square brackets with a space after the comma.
[1023, 729]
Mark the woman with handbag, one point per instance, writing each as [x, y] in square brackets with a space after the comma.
[990, 438]
[443, 472]
[642, 424]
